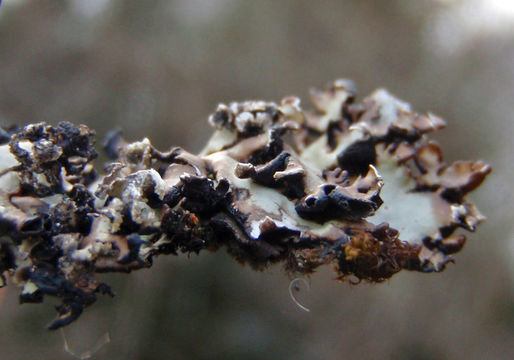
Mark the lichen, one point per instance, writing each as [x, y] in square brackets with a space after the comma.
[358, 186]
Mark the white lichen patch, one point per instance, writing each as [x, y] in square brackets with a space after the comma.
[389, 106]
[219, 140]
[412, 213]
[10, 182]
[7, 159]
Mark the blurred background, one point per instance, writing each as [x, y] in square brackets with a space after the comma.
[157, 68]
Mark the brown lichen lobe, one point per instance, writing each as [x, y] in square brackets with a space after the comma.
[358, 186]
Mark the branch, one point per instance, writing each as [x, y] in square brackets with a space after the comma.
[358, 186]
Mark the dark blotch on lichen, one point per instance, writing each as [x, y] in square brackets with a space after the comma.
[357, 157]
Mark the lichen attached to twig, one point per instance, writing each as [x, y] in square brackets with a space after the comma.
[358, 186]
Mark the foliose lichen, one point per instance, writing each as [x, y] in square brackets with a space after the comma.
[355, 185]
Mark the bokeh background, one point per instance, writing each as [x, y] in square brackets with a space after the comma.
[157, 68]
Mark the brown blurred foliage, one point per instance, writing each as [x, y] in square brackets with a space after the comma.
[157, 68]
